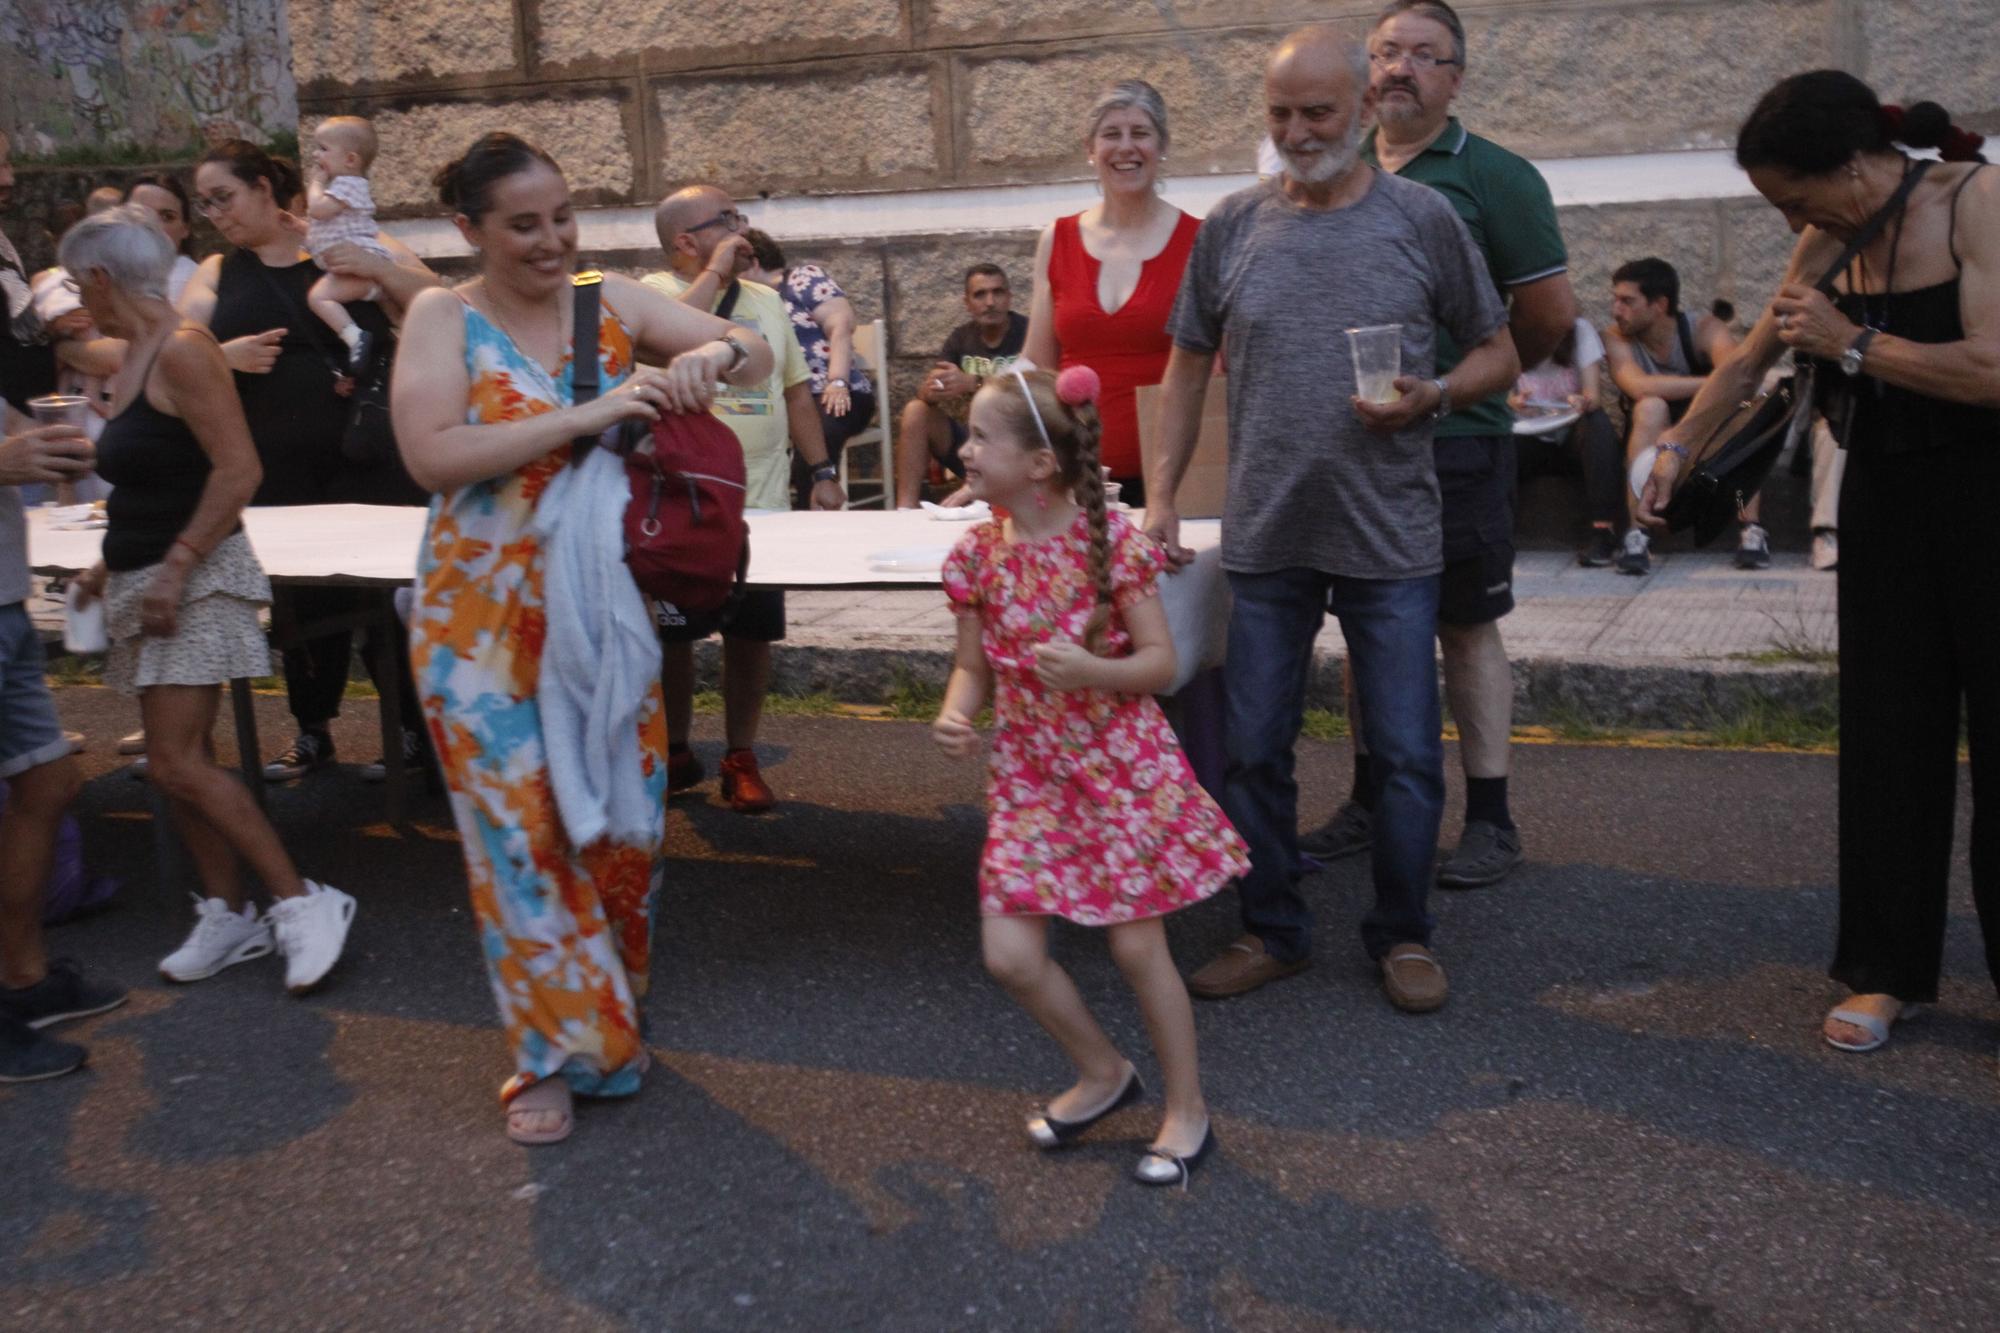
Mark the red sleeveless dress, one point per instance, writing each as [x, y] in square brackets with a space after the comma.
[1126, 348]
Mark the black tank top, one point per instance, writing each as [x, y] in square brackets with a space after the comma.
[157, 471]
[1887, 418]
[296, 418]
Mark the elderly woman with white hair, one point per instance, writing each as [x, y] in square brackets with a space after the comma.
[1106, 278]
[181, 590]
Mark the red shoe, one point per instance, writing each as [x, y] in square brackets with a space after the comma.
[743, 785]
[683, 771]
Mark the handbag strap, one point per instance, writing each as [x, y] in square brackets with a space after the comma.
[585, 370]
[727, 305]
[309, 324]
[1873, 227]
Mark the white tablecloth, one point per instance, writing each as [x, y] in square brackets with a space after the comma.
[377, 544]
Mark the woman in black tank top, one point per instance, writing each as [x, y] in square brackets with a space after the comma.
[1905, 354]
[253, 298]
[181, 591]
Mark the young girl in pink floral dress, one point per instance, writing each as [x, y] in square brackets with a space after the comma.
[1093, 814]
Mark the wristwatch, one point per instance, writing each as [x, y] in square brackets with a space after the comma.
[1444, 399]
[1857, 351]
[738, 353]
[825, 472]
[836, 384]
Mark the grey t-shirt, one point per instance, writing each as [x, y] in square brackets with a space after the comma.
[14, 581]
[1275, 287]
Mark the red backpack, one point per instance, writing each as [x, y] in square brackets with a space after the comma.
[685, 538]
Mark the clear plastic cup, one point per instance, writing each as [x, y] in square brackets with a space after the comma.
[61, 409]
[1378, 360]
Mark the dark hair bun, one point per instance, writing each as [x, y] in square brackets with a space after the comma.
[1926, 125]
[465, 184]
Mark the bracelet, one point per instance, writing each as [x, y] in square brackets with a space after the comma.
[738, 353]
[182, 541]
[1669, 447]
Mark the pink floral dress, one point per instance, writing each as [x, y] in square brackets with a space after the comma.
[1092, 812]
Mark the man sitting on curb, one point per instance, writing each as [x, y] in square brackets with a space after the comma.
[1659, 360]
[701, 235]
[42, 779]
[933, 424]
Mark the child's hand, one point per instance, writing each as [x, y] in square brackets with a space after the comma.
[955, 735]
[1064, 664]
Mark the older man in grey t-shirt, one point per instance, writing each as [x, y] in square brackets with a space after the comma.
[1333, 502]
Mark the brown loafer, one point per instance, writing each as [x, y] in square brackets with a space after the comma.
[1414, 979]
[1240, 969]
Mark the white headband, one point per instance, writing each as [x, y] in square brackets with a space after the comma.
[1029, 394]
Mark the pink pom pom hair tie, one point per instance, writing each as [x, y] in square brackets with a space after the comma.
[1078, 385]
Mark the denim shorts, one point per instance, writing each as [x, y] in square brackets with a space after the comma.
[30, 732]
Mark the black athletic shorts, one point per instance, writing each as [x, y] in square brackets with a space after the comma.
[758, 615]
[1476, 479]
[951, 461]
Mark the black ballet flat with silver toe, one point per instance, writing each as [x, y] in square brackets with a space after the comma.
[1159, 1167]
[1050, 1133]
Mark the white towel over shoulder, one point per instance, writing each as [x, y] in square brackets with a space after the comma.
[600, 658]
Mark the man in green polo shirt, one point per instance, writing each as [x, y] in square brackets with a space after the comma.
[1416, 55]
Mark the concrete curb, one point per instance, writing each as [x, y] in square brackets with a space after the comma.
[1646, 694]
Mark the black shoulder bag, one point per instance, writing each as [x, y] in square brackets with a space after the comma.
[368, 439]
[1731, 464]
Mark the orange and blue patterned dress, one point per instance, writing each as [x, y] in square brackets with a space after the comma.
[565, 931]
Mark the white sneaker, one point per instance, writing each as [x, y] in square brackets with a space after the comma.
[1825, 549]
[221, 938]
[1753, 548]
[311, 930]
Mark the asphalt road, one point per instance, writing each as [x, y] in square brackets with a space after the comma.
[1624, 1118]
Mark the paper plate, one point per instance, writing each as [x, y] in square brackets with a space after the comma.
[909, 559]
[1642, 468]
[962, 514]
[1553, 424]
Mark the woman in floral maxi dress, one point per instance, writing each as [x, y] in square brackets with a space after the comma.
[484, 414]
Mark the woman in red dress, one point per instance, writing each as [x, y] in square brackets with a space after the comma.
[1105, 278]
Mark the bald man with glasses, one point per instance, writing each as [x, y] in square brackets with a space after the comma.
[701, 234]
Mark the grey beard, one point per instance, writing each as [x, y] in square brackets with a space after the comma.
[1330, 163]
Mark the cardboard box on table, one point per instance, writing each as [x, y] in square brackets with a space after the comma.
[1207, 479]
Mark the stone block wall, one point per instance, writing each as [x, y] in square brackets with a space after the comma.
[834, 97]
[830, 96]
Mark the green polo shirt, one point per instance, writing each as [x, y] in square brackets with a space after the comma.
[1507, 207]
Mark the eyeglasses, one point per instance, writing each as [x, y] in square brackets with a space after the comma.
[728, 217]
[208, 205]
[1389, 56]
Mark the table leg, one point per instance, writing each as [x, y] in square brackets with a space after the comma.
[249, 756]
[389, 692]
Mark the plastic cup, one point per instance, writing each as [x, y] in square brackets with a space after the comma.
[61, 409]
[1378, 360]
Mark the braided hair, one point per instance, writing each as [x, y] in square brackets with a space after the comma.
[1034, 407]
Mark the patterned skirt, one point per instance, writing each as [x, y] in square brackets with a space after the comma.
[217, 637]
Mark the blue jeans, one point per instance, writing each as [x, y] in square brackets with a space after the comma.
[1390, 626]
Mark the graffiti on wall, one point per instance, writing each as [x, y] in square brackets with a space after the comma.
[164, 74]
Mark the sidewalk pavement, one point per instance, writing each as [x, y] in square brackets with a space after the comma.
[1694, 639]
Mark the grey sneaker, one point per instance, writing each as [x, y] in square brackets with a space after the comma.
[1636, 557]
[1351, 830]
[1753, 548]
[1486, 854]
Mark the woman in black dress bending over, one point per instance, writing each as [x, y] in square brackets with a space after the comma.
[253, 298]
[1908, 358]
